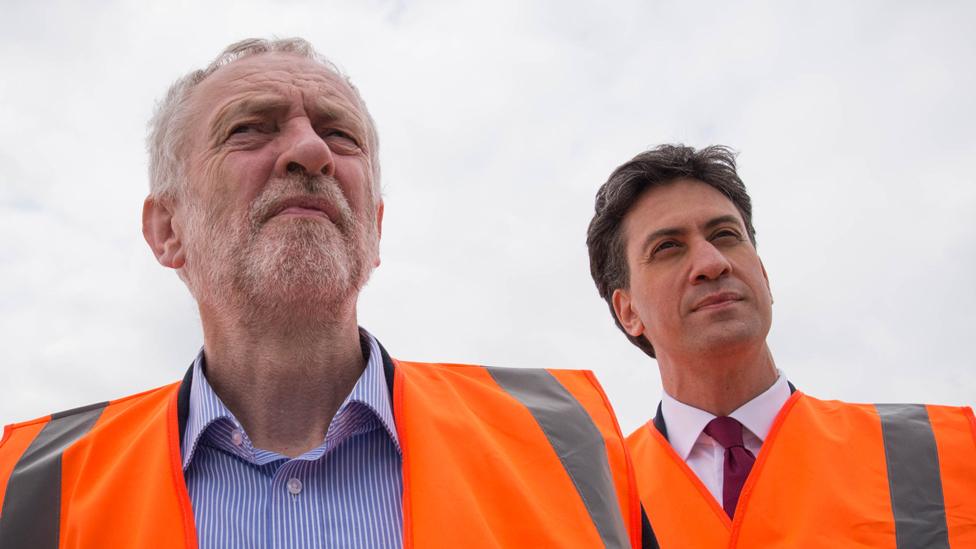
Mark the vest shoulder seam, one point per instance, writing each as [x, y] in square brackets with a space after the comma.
[460, 365]
[144, 393]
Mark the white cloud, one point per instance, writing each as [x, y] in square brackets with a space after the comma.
[498, 122]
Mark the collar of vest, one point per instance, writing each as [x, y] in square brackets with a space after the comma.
[663, 428]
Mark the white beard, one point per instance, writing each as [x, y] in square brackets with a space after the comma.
[288, 269]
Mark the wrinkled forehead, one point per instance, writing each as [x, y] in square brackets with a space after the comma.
[287, 75]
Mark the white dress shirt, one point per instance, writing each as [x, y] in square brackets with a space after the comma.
[702, 453]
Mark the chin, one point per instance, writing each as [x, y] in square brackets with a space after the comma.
[299, 279]
[292, 269]
[304, 274]
[728, 338]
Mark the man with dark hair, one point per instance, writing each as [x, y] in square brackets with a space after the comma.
[736, 456]
[293, 428]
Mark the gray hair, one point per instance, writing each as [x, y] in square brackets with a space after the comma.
[169, 122]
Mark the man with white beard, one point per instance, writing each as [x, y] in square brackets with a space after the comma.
[293, 427]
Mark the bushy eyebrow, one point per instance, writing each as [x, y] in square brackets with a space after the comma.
[323, 109]
[722, 220]
[248, 106]
[680, 231]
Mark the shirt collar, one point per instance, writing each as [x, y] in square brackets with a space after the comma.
[685, 423]
[758, 414]
[370, 390]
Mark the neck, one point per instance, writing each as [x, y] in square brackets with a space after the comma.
[721, 382]
[284, 381]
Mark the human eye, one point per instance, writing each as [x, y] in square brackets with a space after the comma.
[664, 248]
[727, 235]
[341, 139]
[242, 128]
[248, 128]
[332, 133]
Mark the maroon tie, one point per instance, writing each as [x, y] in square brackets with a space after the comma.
[738, 461]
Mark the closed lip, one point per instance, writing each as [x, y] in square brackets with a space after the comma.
[717, 299]
[305, 203]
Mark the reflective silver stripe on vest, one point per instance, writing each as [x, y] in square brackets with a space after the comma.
[31, 515]
[576, 440]
[913, 477]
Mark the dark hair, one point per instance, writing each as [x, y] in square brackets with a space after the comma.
[714, 166]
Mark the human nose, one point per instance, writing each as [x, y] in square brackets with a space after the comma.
[708, 263]
[304, 150]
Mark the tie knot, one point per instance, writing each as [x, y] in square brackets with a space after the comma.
[726, 431]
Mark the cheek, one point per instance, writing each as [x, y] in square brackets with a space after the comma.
[648, 306]
[660, 308]
[245, 172]
[354, 178]
[757, 281]
[237, 178]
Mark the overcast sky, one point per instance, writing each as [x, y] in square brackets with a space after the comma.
[498, 121]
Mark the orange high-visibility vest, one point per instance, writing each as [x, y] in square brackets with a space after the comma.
[829, 474]
[492, 458]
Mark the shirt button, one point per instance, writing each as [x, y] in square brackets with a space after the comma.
[294, 486]
[237, 437]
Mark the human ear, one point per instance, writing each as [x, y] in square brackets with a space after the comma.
[160, 234]
[626, 314]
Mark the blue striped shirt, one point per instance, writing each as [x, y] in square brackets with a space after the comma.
[344, 493]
